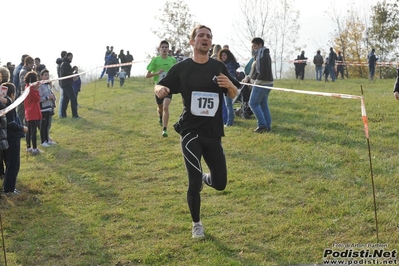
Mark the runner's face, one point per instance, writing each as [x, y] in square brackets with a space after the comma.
[202, 41]
[164, 49]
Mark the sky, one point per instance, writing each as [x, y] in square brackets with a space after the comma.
[44, 28]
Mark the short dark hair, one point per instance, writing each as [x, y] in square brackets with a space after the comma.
[44, 71]
[11, 88]
[258, 40]
[164, 42]
[198, 27]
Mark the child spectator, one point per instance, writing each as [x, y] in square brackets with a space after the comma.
[122, 75]
[47, 100]
[33, 114]
[77, 82]
[15, 131]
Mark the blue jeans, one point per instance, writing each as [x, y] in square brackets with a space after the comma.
[230, 110]
[319, 72]
[332, 73]
[258, 101]
[224, 112]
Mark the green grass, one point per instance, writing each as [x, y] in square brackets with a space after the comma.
[113, 191]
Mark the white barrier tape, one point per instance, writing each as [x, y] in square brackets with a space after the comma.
[19, 100]
[22, 97]
[327, 94]
[122, 64]
[349, 63]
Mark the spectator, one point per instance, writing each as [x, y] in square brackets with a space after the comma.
[297, 67]
[28, 66]
[111, 71]
[11, 68]
[326, 70]
[122, 76]
[47, 100]
[39, 66]
[15, 131]
[129, 59]
[4, 77]
[302, 64]
[227, 57]
[77, 83]
[340, 65]
[372, 60]
[215, 51]
[332, 57]
[179, 56]
[59, 62]
[67, 87]
[16, 81]
[33, 114]
[122, 58]
[107, 55]
[261, 74]
[318, 61]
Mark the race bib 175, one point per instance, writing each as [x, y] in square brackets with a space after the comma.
[204, 103]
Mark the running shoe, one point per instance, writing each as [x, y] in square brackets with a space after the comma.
[164, 133]
[198, 231]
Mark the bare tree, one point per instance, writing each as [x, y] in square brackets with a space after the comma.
[265, 18]
[285, 29]
[176, 22]
[255, 20]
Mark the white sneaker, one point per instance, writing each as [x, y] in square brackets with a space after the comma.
[29, 150]
[36, 151]
[45, 144]
[51, 142]
[198, 231]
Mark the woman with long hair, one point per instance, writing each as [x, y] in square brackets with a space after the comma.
[227, 57]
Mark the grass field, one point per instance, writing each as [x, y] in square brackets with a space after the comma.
[113, 191]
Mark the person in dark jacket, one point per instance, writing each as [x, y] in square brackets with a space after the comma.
[318, 62]
[4, 77]
[15, 131]
[261, 74]
[67, 87]
[111, 71]
[77, 82]
[129, 59]
[59, 62]
[332, 57]
[372, 60]
[302, 64]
